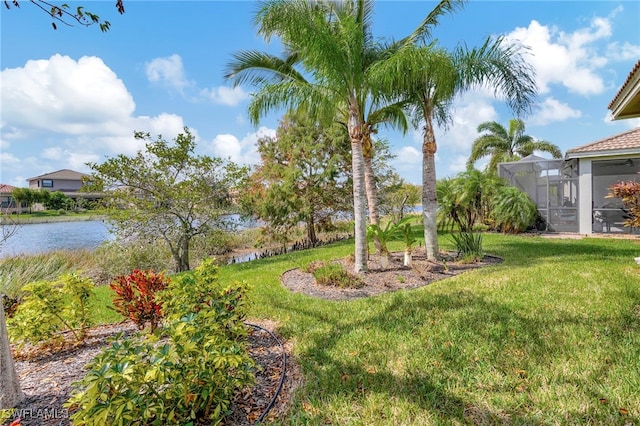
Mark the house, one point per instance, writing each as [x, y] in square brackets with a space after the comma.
[66, 181]
[571, 194]
[7, 203]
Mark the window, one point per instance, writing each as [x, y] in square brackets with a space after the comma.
[47, 183]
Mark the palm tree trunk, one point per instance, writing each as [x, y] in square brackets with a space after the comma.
[429, 197]
[359, 194]
[372, 199]
[10, 392]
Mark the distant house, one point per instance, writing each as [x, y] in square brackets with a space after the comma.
[7, 203]
[66, 181]
[571, 194]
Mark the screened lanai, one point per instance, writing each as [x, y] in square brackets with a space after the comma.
[552, 185]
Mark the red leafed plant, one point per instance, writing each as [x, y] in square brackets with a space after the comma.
[629, 193]
[136, 297]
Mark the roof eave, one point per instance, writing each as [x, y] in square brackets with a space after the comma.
[607, 153]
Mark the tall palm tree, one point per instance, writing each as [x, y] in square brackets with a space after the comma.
[332, 43]
[506, 145]
[429, 77]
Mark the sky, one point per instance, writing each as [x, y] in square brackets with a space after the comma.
[76, 95]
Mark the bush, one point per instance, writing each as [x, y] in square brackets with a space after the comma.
[334, 274]
[513, 210]
[468, 245]
[190, 369]
[135, 297]
[51, 307]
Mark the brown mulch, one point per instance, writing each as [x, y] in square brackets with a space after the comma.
[378, 281]
[46, 376]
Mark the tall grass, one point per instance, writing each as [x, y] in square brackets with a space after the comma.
[17, 271]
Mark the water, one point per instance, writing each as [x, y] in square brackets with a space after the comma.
[44, 237]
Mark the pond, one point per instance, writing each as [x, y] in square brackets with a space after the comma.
[44, 237]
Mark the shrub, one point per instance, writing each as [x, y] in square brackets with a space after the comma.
[334, 274]
[513, 210]
[50, 307]
[190, 369]
[468, 245]
[135, 297]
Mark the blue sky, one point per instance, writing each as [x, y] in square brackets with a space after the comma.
[75, 95]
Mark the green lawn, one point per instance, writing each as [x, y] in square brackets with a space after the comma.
[550, 336]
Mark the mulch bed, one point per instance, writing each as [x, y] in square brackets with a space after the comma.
[378, 281]
[46, 377]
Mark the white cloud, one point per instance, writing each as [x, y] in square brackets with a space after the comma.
[408, 156]
[468, 113]
[61, 95]
[552, 110]
[626, 51]
[563, 58]
[240, 151]
[231, 96]
[458, 164]
[6, 158]
[169, 72]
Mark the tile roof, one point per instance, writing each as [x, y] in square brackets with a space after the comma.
[624, 85]
[629, 140]
[6, 188]
[64, 174]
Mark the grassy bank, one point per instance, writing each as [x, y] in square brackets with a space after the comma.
[51, 216]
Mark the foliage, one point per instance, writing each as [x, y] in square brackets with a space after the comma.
[18, 270]
[629, 193]
[59, 201]
[324, 41]
[62, 13]
[396, 196]
[135, 297]
[191, 370]
[504, 145]
[465, 201]
[168, 192]
[468, 244]
[334, 274]
[302, 177]
[512, 210]
[406, 229]
[428, 77]
[50, 307]
[8, 227]
[28, 196]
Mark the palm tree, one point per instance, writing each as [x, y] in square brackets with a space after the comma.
[429, 77]
[332, 43]
[506, 145]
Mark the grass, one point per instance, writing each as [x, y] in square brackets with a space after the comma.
[550, 336]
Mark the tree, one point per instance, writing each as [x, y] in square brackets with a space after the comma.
[58, 201]
[167, 192]
[331, 42]
[64, 14]
[429, 77]
[397, 195]
[302, 176]
[24, 196]
[504, 145]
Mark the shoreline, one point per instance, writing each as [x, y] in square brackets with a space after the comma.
[63, 218]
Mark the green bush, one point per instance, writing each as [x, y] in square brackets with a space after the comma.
[513, 211]
[334, 274]
[50, 307]
[468, 245]
[189, 369]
